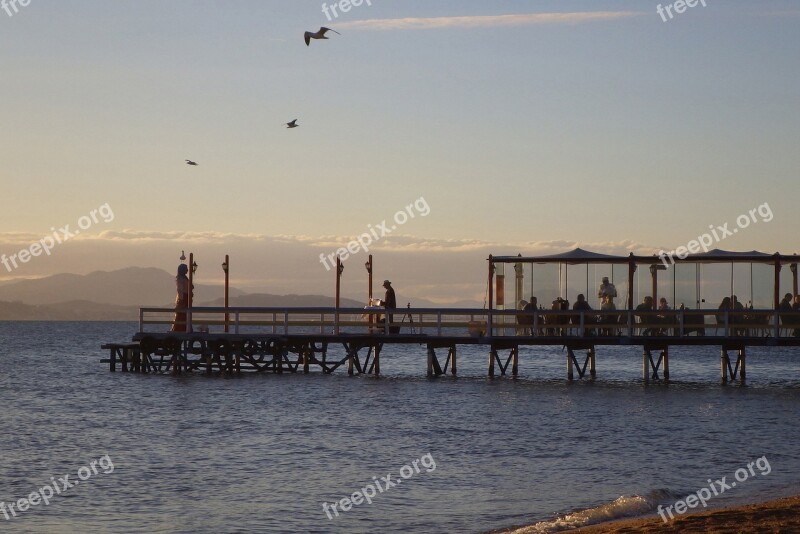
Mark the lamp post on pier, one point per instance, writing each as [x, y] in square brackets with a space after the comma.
[368, 266]
[339, 270]
[192, 270]
[225, 267]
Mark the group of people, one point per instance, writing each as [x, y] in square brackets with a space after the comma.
[607, 321]
[789, 309]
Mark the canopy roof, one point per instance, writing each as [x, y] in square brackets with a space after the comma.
[579, 256]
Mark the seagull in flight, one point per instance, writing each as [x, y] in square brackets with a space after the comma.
[319, 35]
[292, 124]
[190, 162]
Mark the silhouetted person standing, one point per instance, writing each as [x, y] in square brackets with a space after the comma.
[181, 299]
[390, 303]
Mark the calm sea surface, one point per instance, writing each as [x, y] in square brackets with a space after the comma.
[263, 453]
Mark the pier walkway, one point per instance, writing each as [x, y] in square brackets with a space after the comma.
[280, 340]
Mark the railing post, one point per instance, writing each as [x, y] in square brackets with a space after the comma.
[141, 320]
[680, 323]
[582, 330]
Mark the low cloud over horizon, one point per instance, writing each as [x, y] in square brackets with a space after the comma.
[441, 270]
[486, 21]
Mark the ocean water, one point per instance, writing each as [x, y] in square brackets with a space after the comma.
[263, 453]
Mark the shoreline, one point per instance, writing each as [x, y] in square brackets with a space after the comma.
[780, 515]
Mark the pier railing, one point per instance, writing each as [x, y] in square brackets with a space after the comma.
[477, 322]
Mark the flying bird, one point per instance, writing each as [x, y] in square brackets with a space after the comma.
[319, 35]
[190, 162]
[292, 124]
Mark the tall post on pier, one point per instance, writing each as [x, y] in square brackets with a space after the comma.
[225, 267]
[190, 299]
[793, 268]
[631, 272]
[518, 281]
[500, 293]
[489, 319]
[368, 265]
[339, 269]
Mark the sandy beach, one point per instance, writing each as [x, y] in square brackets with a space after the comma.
[782, 515]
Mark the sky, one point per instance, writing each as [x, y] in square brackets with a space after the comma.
[515, 127]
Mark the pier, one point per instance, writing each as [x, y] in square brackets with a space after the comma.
[301, 340]
[233, 340]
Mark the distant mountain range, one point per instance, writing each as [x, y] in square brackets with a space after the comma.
[133, 286]
[118, 295]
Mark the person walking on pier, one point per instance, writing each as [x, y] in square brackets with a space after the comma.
[181, 299]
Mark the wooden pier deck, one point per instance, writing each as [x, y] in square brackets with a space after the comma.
[293, 340]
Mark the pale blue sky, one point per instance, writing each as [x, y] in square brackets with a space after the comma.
[615, 132]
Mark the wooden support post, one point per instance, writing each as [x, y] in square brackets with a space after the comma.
[570, 375]
[665, 356]
[492, 356]
[452, 357]
[430, 361]
[742, 358]
[127, 356]
[515, 360]
[723, 358]
[112, 362]
[592, 366]
[350, 362]
[376, 361]
[646, 365]
[308, 350]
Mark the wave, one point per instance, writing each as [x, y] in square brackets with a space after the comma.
[622, 507]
